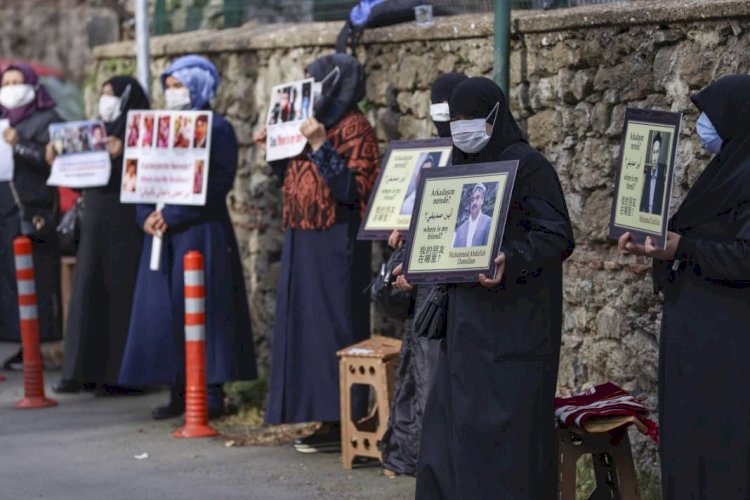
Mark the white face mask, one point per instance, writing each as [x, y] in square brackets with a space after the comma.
[109, 108]
[318, 86]
[15, 96]
[178, 98]
[440, 112]
[470, 136]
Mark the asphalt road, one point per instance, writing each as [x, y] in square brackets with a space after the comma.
[85, 448]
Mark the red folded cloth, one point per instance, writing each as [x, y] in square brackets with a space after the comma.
[604, 407]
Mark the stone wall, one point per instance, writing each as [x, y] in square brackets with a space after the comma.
[573, 72]
[59, 33]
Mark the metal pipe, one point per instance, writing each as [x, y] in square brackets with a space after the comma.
[501, 54]
[143, 54]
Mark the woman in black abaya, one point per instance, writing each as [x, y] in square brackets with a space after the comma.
[488, 428]
[107, 260]
[704, 274]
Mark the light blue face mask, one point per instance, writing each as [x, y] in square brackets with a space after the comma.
[710, 138]
[470, 136]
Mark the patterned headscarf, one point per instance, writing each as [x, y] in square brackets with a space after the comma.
[42, 100]
[198, 74]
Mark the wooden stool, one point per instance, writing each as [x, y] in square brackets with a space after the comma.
[371, 362]
[613, 464]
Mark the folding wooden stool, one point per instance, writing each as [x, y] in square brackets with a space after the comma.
[370, 362]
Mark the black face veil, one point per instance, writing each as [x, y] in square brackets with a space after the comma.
[725, 182]
[343, 93]
[476, 98]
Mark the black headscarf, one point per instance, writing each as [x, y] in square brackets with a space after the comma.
[725, 182]
[341, 96]
[475, 98]
[136, 99]
[441, 91]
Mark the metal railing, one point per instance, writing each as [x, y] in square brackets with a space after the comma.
[171, 16]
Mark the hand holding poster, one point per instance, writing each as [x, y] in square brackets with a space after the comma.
[645, 175]
[458, 222]
[291, 104]
[6, 154]
[166, 157]
[81, 155]
[392, 200]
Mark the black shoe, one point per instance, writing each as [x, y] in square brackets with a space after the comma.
[171, 410]
[107, 390]
[66, 387]
[325, 440]
[15, 362]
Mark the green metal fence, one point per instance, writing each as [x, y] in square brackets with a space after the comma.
[185, 15]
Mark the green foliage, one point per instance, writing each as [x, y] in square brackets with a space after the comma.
[248, 394]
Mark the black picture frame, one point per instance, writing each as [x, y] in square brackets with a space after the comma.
[631, 173]
[462, 176]
[366, 232]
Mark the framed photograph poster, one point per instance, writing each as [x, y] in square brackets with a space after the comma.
[645, 175]
[458, 222]
[395, 192]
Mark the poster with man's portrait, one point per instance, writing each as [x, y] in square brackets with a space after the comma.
[393, 198]
[81, 155]
[169, 164]
[291, 104]
[458, 222]
[645, 175]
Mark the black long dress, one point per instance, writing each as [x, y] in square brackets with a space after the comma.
[103, 284]
[705, 346]
[418, 356]
[488, 428]
[30, 179]
[106, 267]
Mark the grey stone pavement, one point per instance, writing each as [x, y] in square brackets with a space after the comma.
[84, 449]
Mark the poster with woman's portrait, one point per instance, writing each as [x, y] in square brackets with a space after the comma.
[291, 104]
[458, 222]
[645, 175]
[81, 155]
[170, 163]
[394, 195]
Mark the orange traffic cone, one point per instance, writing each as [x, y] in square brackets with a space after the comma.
[196, 390]
[33, 377]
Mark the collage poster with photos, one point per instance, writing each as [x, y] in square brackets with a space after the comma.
[645, 175]
[291, 104]
[166, 157]
[81, 155]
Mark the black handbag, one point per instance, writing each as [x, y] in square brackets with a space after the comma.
[35, 223]
[69, 229]
[430, 318]
[392, 301]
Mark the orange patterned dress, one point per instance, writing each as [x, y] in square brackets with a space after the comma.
[320, 306]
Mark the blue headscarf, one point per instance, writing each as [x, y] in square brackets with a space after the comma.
[198, 74]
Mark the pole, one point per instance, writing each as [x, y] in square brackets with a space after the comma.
[501, 56]
[143, 55]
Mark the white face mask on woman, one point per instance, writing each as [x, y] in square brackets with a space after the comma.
[470, 136]
[15, 96]
[109, 107]
[439, 112]
[178, 98]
